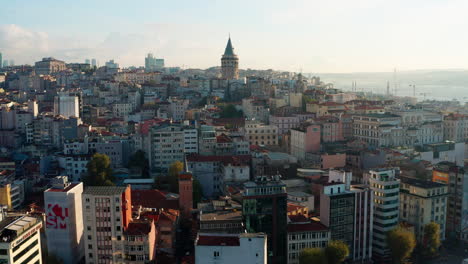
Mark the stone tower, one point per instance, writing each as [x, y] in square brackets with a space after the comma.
[229, 63]
[185, 191]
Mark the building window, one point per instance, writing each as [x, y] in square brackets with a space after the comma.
[216, 254]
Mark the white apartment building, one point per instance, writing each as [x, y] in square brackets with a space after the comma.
[260, 134]
[302, 235]
[122, 109]
[255, 109]
[20, 240]
[386, 187]
[167, 145]
[106, 215]
[191, 140]
[231, 248]
[64, 220]
[74, 166]
[67, 105]
[456, 128]
[422, 202]
[177, 108]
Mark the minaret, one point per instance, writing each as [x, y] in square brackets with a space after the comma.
[229, 63]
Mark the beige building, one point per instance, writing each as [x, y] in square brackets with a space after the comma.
[379, 129]
[260, 134]
[456, 128]
[107, 213]
[422, 202]
[20, 240]
[49, 65]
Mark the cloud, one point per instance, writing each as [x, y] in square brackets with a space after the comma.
[22, 44]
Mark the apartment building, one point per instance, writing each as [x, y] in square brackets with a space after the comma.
[379, 130]
[64, 220]
[260, 134]
[107, 214]
[423, 202]
[385, 184]
[20, 240]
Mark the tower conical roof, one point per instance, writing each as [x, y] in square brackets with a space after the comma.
[229, 49]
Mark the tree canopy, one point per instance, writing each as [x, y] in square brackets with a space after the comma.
[401, 243]
[230, 111]
[99, 171]
[336, 252]
[431, 239]
[139, 161]
[312, 256]
[174, 170]
[197, 192]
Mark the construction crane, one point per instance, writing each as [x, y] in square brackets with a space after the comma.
[424, 94]
[414, 89]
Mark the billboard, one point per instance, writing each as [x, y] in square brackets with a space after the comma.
[441, 177]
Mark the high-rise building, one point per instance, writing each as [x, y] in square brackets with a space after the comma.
[386, 187]
[5, 63]
[363, 222]
[67, 105]
[93, 63]
[265, 210]
[112, 64]
[152, 63]
[20, 240]
[337, 212]
[87, 61]
[456, 178]
[64, 220]
[423, 202]
[229, 63]
[1, 60]
[107, 212]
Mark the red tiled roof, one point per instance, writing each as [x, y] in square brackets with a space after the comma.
[312, 226]
[152, 199]
[223, 138]
[207, 240]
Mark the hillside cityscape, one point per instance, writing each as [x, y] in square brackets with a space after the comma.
[106, 164]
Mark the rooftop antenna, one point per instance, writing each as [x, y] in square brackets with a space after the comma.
[395, 80]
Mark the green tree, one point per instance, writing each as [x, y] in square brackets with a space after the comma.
[336, 252]
[312, 256]
[197, 192]
[99, 171]
[174, 170]
[230, 111]
[401, 243]
[139, 161]
[431, 239]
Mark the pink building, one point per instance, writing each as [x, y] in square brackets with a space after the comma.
[329, 161]
[331, 128]
[305, 139]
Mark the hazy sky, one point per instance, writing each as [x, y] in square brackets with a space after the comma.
[315, 36]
